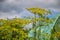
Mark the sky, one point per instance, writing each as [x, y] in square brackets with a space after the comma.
[12, 8]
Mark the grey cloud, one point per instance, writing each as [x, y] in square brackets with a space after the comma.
[7, 6]
[58, 1]
[8, 9]
[31, 3]
[1, 0]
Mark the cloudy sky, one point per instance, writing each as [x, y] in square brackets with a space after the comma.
[12, 8]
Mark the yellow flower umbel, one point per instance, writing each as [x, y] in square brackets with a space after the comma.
[39, 11]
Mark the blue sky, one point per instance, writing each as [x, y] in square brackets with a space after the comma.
[12, 8]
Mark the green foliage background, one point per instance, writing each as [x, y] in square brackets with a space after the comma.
[12, 29]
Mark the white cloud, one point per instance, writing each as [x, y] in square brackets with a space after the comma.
[12, 14]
